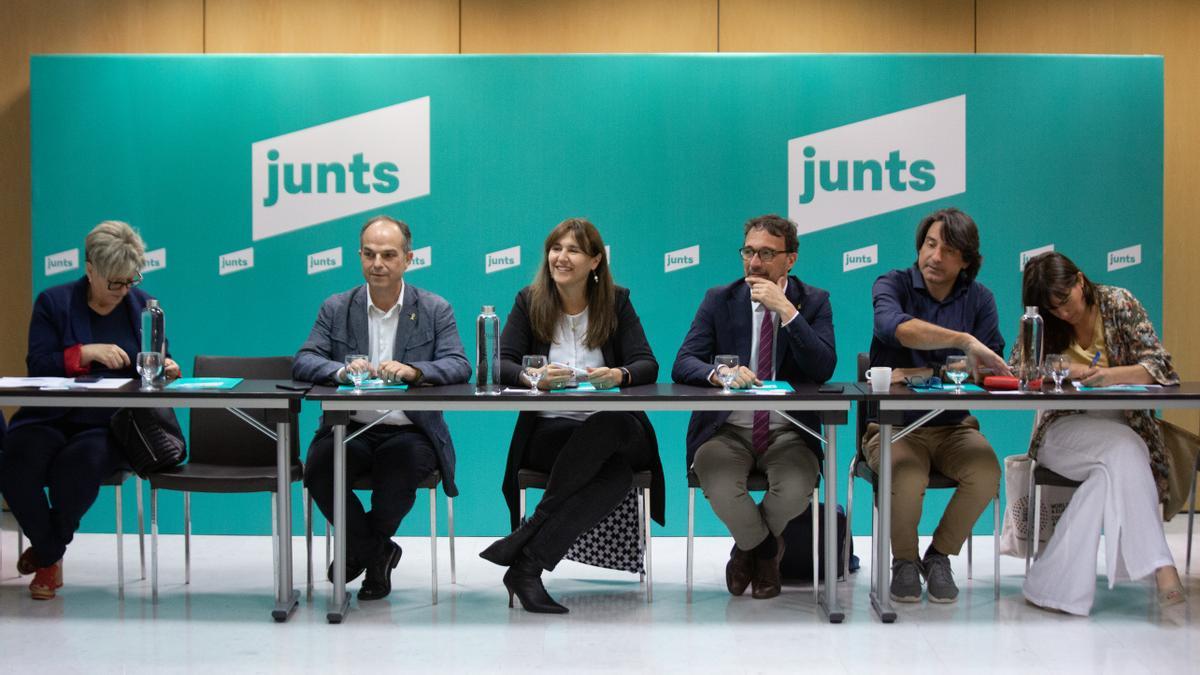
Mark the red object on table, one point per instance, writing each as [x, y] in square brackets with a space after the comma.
[1004, 382]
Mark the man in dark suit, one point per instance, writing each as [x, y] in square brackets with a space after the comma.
[408, 336]
[780, 329]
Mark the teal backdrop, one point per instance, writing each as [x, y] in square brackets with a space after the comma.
[663, 153]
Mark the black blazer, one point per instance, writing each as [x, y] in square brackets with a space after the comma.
[806, 352]
[626, 348]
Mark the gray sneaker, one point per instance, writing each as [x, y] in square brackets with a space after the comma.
[906, 581]
[936, 568]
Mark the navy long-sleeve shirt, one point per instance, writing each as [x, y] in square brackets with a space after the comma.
[900, 295]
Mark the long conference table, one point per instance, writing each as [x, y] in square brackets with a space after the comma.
[832, 409]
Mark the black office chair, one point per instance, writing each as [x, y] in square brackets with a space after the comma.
[227, 455]
[859, 468]
[116, 480]
[528, 478]
[755, 482]
[430, 483]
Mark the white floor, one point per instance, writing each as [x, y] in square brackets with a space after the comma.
[221, 623]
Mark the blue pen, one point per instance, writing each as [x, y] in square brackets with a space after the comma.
[1096, 359]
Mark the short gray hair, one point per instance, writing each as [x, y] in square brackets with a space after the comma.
[115, 250]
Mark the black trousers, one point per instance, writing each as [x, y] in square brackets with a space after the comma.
[591, 465]
[397, 459]
[71, 460]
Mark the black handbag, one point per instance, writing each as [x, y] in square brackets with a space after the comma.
[796, 564]
[150, 438]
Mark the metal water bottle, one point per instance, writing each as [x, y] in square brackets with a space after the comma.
[154, 334]
[1030, 336]
[487, 351]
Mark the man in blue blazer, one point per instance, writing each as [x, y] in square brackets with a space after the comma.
[408, 336]
[780, 329]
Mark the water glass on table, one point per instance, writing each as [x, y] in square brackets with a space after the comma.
[358, 367]
[957, 371]
[1058, 368]
[534, 366]
[727, 370]
[149, 366]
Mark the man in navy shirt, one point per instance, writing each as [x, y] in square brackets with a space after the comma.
[922, 315]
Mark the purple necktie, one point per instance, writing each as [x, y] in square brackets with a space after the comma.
[761, 433]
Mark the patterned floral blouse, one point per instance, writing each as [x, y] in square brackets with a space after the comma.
[1131, 340]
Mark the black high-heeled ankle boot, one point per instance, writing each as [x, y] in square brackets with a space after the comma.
[524, 580]
[505, 551]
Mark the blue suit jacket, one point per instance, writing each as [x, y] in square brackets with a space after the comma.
[60, 320]
[426, 339]
[805, 352]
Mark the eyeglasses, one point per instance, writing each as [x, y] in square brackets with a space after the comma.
[923, 382]
[764, 254]
[118, 285]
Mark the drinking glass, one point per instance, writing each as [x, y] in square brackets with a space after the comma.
[535, 369]
[956, 371]
[727, 367]
[358, 367]
[1058, 368]
[149, 366]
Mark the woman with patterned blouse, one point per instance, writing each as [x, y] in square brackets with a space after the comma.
[1118, 455]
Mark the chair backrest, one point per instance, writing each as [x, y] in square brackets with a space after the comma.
[863, 410]
[219, 437]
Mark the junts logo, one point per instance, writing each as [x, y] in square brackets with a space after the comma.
[154, 261]
[323, 261]
[236, 261]
[502, 260]
[422, 258]
[878, 165]
[1027, 255]
[860, 257]
[674, 261]
[340, 168]
[1124, 257]
[63, 261]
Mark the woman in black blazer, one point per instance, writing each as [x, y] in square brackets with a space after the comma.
[573, 314]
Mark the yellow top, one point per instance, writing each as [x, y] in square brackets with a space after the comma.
[1081, 355]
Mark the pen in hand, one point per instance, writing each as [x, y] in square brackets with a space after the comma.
[1096, 359]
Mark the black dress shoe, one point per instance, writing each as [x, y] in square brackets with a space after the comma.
[505, 551]
[353, 571]
[379, 574]
[739, 570]
[524, 580]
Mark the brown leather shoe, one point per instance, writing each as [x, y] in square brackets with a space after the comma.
[26, 564]
[738, 571]
[766, 581]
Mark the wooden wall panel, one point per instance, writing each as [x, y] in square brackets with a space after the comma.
[59, 26]
[1170, 28]
[538, 26]
[348, 26]
[847, 26]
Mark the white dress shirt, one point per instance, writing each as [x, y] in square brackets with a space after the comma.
[569, 348]
[381, 331]
[745, 418]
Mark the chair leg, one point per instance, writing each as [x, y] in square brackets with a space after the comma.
[874, 548]
[187, 538]
[641, 533]
[20, 539]
[649, 551]
[691, 538]
[328, 531]
[308, 539]
[996, 547]
[522, 505]
[153, 545]
[433, 541]
[1036, 534]
[120, 545]
[816, 555]
[141, 518]
[970, 556]
[450, 533]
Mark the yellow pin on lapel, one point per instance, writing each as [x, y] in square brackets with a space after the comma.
[412, 317]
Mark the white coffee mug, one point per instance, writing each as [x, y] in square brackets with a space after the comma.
[880, 378]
